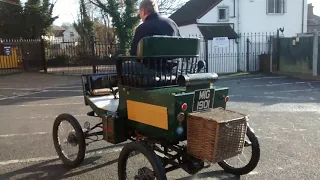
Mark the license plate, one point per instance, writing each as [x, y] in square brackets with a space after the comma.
[203, 99]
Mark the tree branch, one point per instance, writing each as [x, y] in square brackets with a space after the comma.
[97, 5]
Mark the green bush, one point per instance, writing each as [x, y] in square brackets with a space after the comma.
[59, 60]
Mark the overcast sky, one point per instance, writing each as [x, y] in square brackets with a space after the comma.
[67, 10]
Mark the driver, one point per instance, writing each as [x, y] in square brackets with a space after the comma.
[153, 24]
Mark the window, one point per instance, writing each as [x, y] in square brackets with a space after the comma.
[276, 6]
[71, 34]
[223, 14]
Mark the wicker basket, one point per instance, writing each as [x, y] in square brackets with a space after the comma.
[215, 135]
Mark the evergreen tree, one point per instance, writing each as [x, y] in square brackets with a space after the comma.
[37, 18]
[124, 19]
[10, 18]
[31, 21]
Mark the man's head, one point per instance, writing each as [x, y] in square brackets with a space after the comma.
[147, 7]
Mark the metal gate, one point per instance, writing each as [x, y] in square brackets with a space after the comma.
[19, 55]
[33, 55]
[240, 55]
[80, 56]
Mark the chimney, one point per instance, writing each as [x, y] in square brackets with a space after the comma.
[310, 10]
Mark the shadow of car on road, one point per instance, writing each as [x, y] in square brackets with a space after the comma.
[48, 170]
[56, 171]
[213, 174]
[51, 170]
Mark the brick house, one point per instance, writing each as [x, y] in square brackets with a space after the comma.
[313, 20]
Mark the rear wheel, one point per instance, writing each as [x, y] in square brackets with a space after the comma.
[253, 161]
[137, 168]
[73, 140]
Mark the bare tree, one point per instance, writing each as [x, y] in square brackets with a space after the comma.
[124, 16]
[167, 7]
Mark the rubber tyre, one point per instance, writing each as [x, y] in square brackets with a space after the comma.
[144, 149]
[253, 161]
[81, 140]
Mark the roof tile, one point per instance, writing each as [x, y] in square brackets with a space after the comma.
[193, 10]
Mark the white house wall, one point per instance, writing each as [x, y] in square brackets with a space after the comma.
[67, 37]
[193, 31]
[252, 21]
[189, 30]
[254, 18]
[68, 40]
[221, 60]
[212, 15]
[216, 56]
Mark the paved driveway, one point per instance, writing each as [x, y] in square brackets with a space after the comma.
[284, 112]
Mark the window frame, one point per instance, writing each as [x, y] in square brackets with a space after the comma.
[282, 8]
[71, 34]
[226, 9]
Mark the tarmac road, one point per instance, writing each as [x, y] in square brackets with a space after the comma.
[283, 111]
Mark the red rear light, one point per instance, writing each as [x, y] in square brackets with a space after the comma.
[184, 106]
[226, 99]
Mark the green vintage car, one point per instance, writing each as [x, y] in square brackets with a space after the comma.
[165, 103]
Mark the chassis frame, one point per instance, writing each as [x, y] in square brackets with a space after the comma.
[181, 159]
[164, 155]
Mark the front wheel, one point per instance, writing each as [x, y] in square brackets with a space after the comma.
[253, 161]
[139, 151]
[73, 140]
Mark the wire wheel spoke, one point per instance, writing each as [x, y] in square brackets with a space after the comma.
[242, 159]
[138, 167]
[68, 140]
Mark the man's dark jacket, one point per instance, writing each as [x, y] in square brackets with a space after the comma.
[154, 24]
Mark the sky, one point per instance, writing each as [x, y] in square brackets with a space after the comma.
[67, 10]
